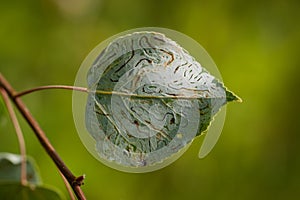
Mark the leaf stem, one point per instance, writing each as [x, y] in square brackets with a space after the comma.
[72, 179]
[66, 87]
[19, 134]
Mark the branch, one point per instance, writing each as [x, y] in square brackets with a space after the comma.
[19, 133]
[74, 181]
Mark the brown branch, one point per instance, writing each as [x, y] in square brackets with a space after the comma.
[19, 133]
[74, 181]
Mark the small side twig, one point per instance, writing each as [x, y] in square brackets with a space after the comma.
[69, 189]
[72, 179]
[19, 134]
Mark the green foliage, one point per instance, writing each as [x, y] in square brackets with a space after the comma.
[17, 191]
[10, 169]
[10, 176]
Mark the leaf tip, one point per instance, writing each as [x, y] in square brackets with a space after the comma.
[230, 96]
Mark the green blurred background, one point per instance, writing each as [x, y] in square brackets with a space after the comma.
[255, 45]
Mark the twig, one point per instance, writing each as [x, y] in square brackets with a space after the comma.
[19, 133]
[74, 181]
[69, 189]
[66, 87]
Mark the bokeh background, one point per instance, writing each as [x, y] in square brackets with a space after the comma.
[255, 45]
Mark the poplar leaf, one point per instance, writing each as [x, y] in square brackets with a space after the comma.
[149, 98]
[20, 192]
[10, 169]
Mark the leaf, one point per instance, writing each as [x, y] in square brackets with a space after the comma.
[17, 191]
[10, 169]
[149, 99]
